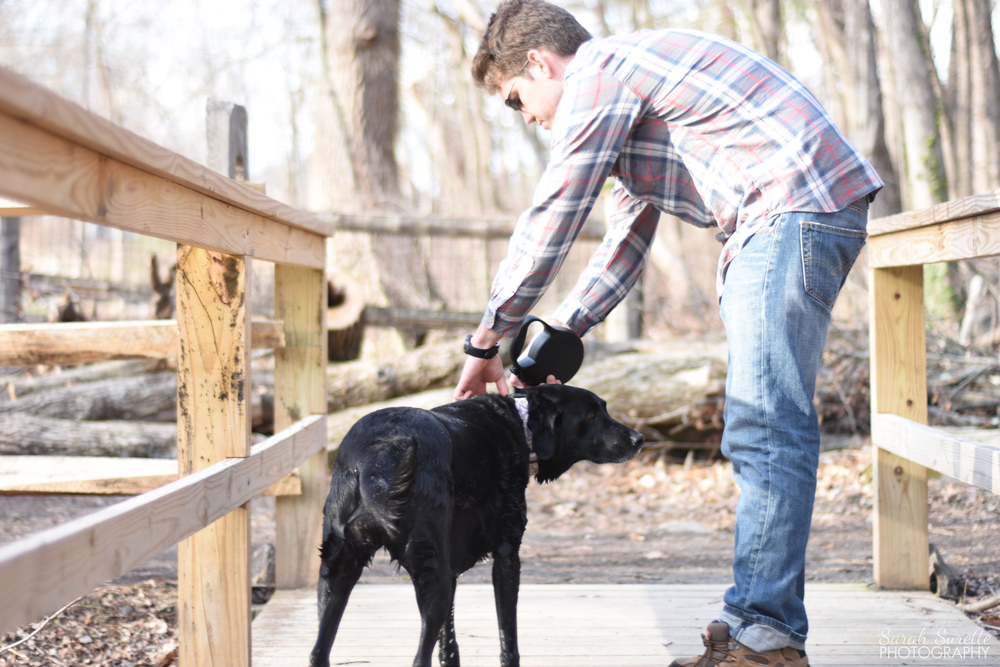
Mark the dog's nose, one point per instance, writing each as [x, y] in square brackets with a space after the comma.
[637, 439]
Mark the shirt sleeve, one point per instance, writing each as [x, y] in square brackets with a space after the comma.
[615, 265]
[594, 119]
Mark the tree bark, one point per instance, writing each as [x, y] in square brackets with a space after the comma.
[22, 433]
[985, 102]
[21, 386]
[847, 35]
[922, 163]
[768, 28]
[957, 103]
[361, 47]
[152, 397]
[356, 383]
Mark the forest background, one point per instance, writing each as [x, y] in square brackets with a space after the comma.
[368, 106]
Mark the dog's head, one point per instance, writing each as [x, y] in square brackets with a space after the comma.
[569, 424]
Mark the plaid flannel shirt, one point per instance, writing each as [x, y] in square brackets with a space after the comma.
[690, 124]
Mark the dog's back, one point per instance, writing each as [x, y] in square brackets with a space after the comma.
[442, 489]
[444, 460]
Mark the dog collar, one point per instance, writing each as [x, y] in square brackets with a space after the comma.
[521, 403]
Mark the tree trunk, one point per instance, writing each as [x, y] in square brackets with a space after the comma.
[957, 103]
[21, 386]
[152, 397]
[362, 382]
[361, 48]
[22, 433]
[768, 28]
[666, 395]
[985, 100]
[924, 180]
[847, 35]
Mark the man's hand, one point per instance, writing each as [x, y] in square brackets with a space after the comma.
[517, 383]
[477, 374]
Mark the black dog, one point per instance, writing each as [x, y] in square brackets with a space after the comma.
[443, 489]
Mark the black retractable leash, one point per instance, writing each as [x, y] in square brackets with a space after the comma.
[555, 351]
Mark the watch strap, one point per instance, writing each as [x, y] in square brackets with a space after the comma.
[479, 352]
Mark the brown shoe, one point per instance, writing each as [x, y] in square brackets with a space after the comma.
[721, 650]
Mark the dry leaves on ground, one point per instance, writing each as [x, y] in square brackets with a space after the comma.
[124, 626]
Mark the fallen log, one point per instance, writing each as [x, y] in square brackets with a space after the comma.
[674, 396]
[338, 423]
[658, 393]
[363, 382]
[22, 385]
[29, 434]
[149, 397]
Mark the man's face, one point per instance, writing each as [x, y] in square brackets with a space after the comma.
[535, 94]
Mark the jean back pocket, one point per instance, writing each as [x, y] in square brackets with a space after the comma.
[828, 253]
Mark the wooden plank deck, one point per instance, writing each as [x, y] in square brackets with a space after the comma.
[583, 625]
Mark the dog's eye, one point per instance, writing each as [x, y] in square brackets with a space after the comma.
[591, 415]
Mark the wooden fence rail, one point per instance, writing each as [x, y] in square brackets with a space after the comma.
[60, 159]
[906, 447]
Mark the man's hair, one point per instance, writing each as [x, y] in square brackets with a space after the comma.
[516, 27]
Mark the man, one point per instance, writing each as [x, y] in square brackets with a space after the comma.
[707, 130]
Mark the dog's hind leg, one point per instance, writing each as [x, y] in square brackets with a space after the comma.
[340, 570]
[447, 642]
[434, 585]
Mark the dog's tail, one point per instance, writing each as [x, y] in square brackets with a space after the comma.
[398, 494]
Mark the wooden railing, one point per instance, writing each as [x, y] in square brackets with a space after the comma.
[60, 159]
[906, 447]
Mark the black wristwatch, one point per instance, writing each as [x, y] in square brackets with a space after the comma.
[480, 353]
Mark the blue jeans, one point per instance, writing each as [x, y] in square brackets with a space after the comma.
[776, 309]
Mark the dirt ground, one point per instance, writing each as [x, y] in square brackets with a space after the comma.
[641, 522]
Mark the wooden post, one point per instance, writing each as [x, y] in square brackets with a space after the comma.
[227, 139]
[899, 386]
[213, 420]
[300, 390]
[213, 423]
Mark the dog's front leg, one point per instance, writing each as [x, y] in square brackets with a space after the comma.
[506, 582]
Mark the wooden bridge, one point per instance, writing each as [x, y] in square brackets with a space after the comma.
[586, 625]
[60, 159]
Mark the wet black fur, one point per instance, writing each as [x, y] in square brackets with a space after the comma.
[443, 489]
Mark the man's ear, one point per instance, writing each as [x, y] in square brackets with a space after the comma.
[544, 422]
[549, 65]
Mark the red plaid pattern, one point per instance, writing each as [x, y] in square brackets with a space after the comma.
[689, 124]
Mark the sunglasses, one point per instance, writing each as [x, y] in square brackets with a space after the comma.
[515, 104]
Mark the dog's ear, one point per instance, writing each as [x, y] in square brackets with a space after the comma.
[544, 421]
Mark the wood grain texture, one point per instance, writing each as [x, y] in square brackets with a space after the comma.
[300, 389]
[67, 179]
[90, 342]
[34, 105]
[45, 570]
[101, 475]
[12, 208]
[974, 205]
[967, 238]
[899, 386]
[213, 424]
[589, 625]
[966, 460]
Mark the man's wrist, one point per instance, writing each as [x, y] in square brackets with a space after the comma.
[480, 352]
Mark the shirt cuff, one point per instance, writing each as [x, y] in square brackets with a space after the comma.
[576, 317]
